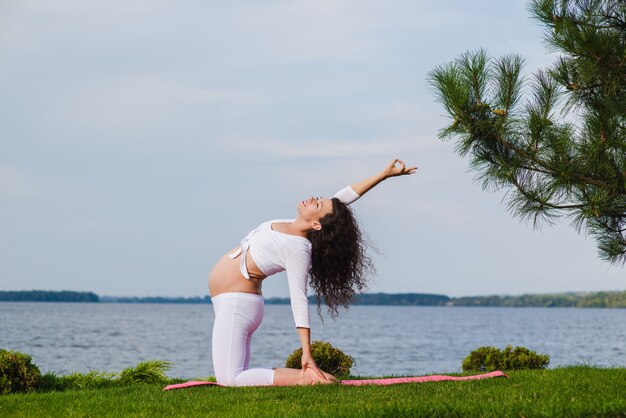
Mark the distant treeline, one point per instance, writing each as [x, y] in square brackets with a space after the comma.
[578, 300]
[47, 296]
[406, 299]
[154, 299]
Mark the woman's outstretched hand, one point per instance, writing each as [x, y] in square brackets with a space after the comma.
[395, 168]
[398, 168]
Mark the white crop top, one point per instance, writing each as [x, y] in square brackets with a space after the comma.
[274, 251]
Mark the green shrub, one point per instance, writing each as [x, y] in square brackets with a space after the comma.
[92, 380]
[152, 371]
[328, 358]
[17, 372]
[488, 359]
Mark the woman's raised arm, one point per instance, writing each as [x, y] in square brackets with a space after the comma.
[394, 168]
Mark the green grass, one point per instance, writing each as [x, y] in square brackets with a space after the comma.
[569, 391]
[152, 371]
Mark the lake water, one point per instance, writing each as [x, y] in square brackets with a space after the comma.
[403, 340]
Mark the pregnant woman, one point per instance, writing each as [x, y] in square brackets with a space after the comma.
[323, 243]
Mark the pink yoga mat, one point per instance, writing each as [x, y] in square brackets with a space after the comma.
[420, 379]
[390, 381]
[190, 384]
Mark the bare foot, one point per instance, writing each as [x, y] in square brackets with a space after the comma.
[311, 378]
[330, 377]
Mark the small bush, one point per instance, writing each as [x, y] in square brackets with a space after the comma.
[328, 358]
[488, 359]
[92, 380]
[152, 371]
[17, 372]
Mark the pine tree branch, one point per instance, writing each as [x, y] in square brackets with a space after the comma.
[530, 197]
[547, 168]
[577, 167]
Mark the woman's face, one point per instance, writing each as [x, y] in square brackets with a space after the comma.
[313, 209]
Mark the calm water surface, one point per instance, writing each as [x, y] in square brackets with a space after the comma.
[384, 340]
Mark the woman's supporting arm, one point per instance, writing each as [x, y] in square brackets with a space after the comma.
[307, 357]
[394, 168]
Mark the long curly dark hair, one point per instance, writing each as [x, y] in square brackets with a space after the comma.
[340, 265]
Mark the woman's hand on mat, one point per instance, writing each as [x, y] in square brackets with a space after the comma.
[309, 363]
[398, 168]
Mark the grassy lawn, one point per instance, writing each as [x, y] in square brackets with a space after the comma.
[571, 391]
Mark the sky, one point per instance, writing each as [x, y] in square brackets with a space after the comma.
[140, 141]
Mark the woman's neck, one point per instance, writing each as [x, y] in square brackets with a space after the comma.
[298, 227]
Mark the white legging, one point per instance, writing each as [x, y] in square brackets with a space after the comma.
[237, 316]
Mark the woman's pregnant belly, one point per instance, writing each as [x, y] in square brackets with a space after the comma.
[226, 276]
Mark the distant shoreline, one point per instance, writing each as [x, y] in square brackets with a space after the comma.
[608, 299]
